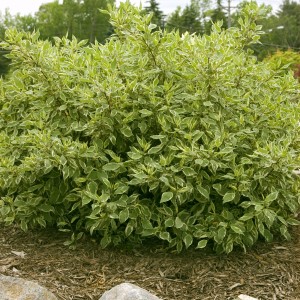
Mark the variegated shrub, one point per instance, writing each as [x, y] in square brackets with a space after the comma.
[188, 139]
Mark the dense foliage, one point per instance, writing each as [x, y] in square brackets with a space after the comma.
[58, 19]
[81, 18]
[185, 138]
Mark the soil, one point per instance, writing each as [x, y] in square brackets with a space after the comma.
[268, 271]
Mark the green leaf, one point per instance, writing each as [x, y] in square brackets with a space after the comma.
[35, 187]
[178, 223]
[158, 137]
[42, 222]
[228, 197]
[86, 200]
[103, 198]
[201, 244]
[221, 233]
[165, 236]
[152, 26]
[9, 220]
[121, 190]
[203, 191]
[79, 180]
[92, 187]
[48, 166]
[134, 155]
[124, 215]
[46, 207]
[149, 232]
[248, 240]
[268, 235]
[155, 149]
[146, 224]
[105, 241]
[146, 112]
[270, 215]
[169, 222]
[167, 210]
[293, 222]
[202, 162]
[166, 196]
[247, 216]
[106, 182]
[271, 197]
[111, 166]
[188, 171]
[188, 240]
[285, 233]
[207, 103]
[66, 172]
[261, 228]
[19, 83]
[126, 131]
[128, 230]
[63, 160]
[179, 246]
[227, 215]
[237, 229]
[229, 246]
[24, 225]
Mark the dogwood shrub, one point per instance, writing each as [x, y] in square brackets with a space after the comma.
[188, 138]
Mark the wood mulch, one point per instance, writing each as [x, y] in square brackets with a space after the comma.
[268, 271]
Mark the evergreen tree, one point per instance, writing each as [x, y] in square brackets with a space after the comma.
[188, 19]
[191, 19]
[158, 15]
[218, 14]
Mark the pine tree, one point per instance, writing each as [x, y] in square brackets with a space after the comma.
[158, 15]
[187, 20]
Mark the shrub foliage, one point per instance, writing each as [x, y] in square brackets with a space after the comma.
[185, 138]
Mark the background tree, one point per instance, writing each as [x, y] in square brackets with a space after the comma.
[214, 15]
[158, 15]
[191, 18]
[51, 20]
[80, 18]
[95, 25]
[71, 11]
[285, 32]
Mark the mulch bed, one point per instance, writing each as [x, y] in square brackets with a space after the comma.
[268, 271]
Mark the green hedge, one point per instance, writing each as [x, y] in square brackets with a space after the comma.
[185, 138]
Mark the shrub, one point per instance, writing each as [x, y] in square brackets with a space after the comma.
[185, 138]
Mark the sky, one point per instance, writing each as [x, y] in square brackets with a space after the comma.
[25, 7]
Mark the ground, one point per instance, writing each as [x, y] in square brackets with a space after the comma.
[268, 271]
